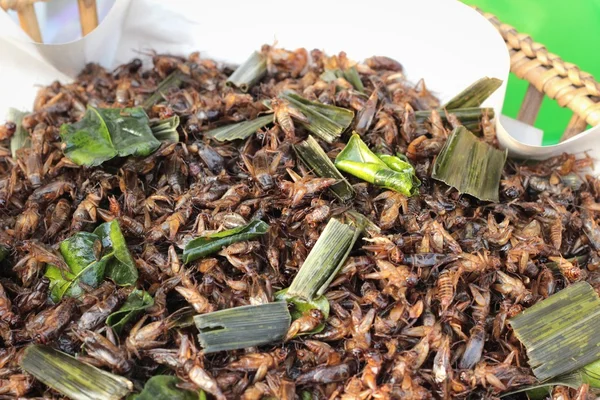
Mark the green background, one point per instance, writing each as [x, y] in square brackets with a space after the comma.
[568, 28]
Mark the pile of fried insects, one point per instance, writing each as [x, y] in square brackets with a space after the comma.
[301, 226]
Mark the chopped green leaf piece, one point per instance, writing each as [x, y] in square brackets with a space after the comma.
[165, 130]
[121, 268]
[241, 130]
[325, 121]
[470, 165]
[88, 141]
[350, 74]
[71, 377]
[106, 133]
[129, 129]
[82, 254]
[249, 73]
[174, 80]
[475, 94]
[205, 245]
[242, 327]
[315, 158]
[20, 139]
[390, 171]
[136, 302]
[561, 332]
[323, 260]
[165, 387]
[356, 150]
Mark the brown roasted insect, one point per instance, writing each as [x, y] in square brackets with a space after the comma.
[480, 311]
[6, 313]
[304, 186]
[27, 222]
[51, 191]
[103, 351]
[261, 169]
[58, 219]
[85, 212]
[283, 112]
[48, 324]
[259, 362]
[306, 323]
[191, 294]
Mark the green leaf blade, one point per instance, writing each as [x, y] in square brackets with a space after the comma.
[205, 245]
[475, 94]
[560, 333]
[329, 251]
[173, 80]
[71, 377]
[241, 130]
[242, 327]
[315, 158]
[470, 165]
[325, 121]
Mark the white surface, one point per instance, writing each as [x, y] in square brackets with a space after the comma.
[443, 41]
[59, 19]
[524, 133]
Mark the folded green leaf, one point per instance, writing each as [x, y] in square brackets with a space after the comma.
[240, 130]
[249, 73]
[205, 245]
[174, 80]
[82, 254]
[165, 130]
[136, 302]
[88, 141]
[20, 138]
[399, 163]
[561, 332]
[323, 260]
[350, 74]
[358, 151]
[130, 132]
[470, 165]
[315, 158]
[325, 121]
[475, 94]
[301, 306]
[121, 268]
[393, 173]
[71, 377]
[106, 133]
[164, 387]
[242, 327]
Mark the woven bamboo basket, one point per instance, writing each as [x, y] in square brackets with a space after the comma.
[547, 74]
